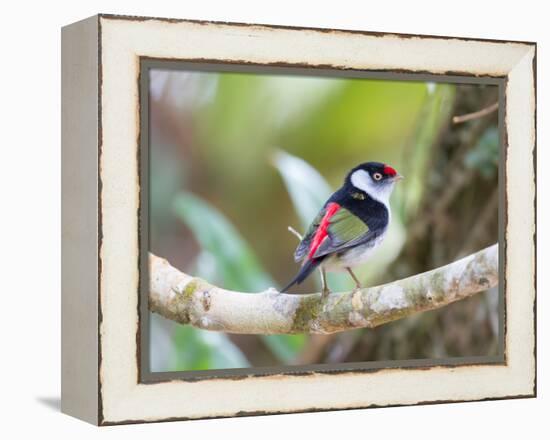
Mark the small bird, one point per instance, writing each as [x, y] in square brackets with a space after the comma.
[350, 225]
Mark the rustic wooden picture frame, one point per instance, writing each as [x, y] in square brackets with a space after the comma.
[103, 381]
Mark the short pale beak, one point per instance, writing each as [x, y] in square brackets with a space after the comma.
[398, 177]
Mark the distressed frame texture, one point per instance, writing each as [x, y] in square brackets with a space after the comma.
[102, 378]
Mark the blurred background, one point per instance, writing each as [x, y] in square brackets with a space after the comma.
[236, 158]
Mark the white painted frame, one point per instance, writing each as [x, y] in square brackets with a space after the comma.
[100, 320]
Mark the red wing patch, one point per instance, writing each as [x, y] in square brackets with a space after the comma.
[322, 231]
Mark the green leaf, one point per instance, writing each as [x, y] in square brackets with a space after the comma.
[238, 267]
[305, 185]
[205, 350]
[285, 347]
[435, 112]
[226, 253]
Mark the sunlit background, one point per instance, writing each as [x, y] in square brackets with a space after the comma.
[237, 158]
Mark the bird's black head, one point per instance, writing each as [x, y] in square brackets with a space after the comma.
[373, 178]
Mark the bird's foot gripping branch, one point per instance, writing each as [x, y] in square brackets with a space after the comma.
[188, 300]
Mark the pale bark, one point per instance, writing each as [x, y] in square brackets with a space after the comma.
[189, 300]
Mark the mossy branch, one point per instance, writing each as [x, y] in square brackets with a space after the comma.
[189, 300]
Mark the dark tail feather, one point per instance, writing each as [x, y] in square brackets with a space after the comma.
[304, 272]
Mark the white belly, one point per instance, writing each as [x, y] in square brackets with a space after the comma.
[353, 257]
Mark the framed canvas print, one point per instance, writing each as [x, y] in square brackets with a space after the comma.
[262, 219]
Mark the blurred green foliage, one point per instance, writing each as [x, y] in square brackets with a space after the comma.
[204, 350]
[308, 190]
[484, 156]
[237, 158]
[233, 265]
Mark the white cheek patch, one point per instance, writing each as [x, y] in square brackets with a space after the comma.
[362, 180]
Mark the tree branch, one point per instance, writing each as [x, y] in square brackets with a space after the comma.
[189, 300]
[475, 115]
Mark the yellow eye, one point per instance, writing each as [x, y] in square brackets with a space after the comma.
[377, 176]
